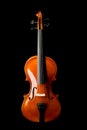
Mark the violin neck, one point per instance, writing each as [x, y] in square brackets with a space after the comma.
[41, 67]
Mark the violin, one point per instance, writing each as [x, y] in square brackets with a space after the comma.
[40, 104]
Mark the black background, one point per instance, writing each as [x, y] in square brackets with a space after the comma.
[61, 41]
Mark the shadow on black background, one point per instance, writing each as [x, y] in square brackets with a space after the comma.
[60, 44]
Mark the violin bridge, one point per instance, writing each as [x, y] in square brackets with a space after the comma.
[41, 94]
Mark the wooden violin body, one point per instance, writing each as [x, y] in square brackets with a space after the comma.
[40, 104]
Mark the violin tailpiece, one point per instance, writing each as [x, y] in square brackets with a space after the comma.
[41, 108]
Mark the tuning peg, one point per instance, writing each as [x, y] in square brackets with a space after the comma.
[47, 24]
[32, 22]
[46, 19]
[33, 28]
